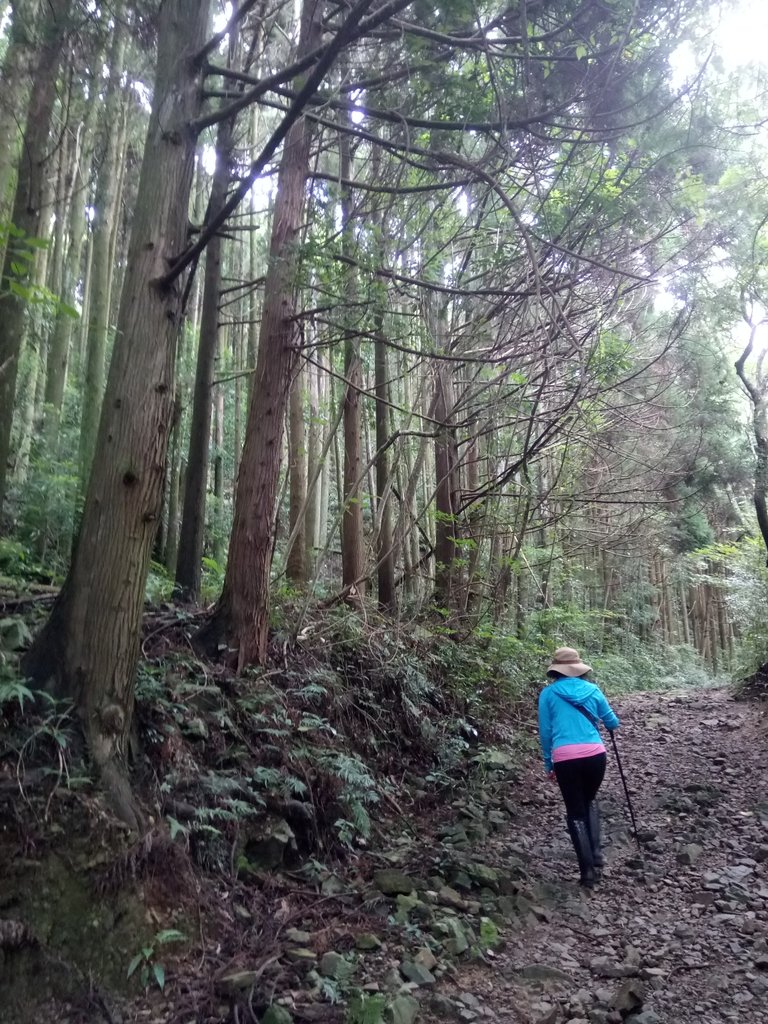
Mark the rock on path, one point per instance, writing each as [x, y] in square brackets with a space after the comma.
[677, 936]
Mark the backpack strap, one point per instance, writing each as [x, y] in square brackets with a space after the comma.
[592, 721]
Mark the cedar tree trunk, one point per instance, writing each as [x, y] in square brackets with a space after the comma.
[241, 616]
[90, 645]
[189, 559]
[27, 207]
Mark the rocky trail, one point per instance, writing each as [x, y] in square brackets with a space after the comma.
[676, 934]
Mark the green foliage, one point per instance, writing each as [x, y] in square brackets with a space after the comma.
[149, 968]
[14, 690]
[22, 250]
[159, 586]
[365, 1008]
[212, 579]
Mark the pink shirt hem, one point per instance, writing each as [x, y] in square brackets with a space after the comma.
[570, 751]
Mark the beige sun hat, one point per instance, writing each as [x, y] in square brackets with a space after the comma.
[566, 662]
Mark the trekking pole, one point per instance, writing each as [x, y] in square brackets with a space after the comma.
[626, 788]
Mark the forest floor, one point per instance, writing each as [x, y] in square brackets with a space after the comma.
[463, 907]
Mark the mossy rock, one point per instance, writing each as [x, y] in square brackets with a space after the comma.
[77, 931]
[393, 882]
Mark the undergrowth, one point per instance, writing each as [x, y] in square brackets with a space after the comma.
[312, 754]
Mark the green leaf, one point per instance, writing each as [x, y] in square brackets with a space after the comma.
[581, 52]
[170, 935]
[134, 964]
[176, 828]
[159, 972]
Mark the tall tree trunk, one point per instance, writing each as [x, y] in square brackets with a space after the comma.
[296, 562]
[324, 398]
[90, 644]
[58, 349]
[15, 86]
[26, 214]
[445, 494]
[189, 330]
[219, 545]
[385, 555]
[242, 613]
[189, 558]
[254, 306]
[760, 493]
[104, 206]
[81, 343]
[352, 548]
[314, 478]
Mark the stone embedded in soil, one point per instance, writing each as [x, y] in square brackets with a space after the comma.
[238, 981]
[402, 1010]
[392, 882]
[546, 1014]
[275, 1014]
[646, 1017]
[333, 886]
[450, 931]
[301, 956]
[269, 842]
[442, 1006]
[690, 854]
[367, 941]
[489, 933]
[334, 965]
[448, 897]
[543, 973]
[629, 997]
[604, 967]
[417, 973]
[736, 873]
[426, 958]
[483, 876]
[456, 836]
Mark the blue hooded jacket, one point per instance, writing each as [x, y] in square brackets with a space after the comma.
[560, 721]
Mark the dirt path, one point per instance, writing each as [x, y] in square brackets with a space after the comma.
[679, 936]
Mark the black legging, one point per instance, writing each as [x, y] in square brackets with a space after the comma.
[579, 781]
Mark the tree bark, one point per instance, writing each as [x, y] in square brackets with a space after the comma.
[314, 473]
[104, 207]
[445, 508]
[296, 562]
[217, 525]
[15, 87]
[27, 212]
[352, 548]
[191, 539]
[242, 613]
[385, 542]
[58, 348]
[90, 645]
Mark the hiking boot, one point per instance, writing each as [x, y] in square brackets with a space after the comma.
[579, 833]
[593, 823]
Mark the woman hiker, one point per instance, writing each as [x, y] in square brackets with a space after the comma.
[569, 710]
